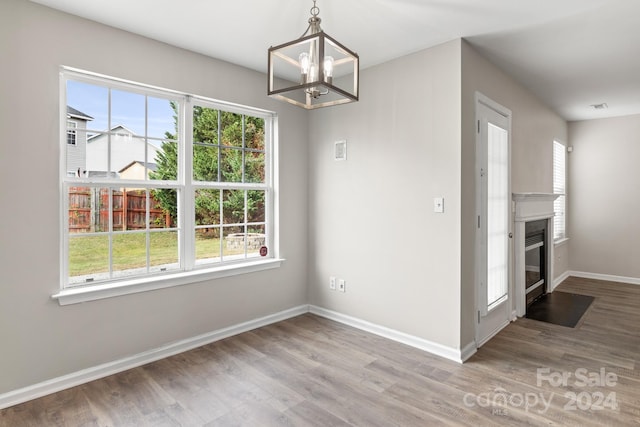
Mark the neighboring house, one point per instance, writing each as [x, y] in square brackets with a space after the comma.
[136, 170]
[125, 148]
[76, 140]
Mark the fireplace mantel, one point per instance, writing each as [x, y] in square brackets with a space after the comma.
[533, 206]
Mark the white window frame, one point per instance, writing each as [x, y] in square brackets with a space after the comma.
[189, 271]
[560, 187]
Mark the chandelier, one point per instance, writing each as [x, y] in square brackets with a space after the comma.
[314, 70]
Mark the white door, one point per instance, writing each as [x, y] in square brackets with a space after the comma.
[493, 177]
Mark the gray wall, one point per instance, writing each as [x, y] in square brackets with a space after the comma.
[604, 196]
[42, 340]
[372, 220]
[534, 127]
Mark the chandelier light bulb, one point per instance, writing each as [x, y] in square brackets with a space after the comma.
[328, 69]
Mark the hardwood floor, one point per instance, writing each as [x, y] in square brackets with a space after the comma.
[313, 371]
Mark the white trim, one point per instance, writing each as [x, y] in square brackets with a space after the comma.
[561, 278]
[468, 351]
[420, 343]
[90, 374]
[73, 379]
[607, 277]
[487, 317]
[493, 333]
[560, 242]
[74, 295]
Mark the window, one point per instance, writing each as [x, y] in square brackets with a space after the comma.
[71, 132]
[175, 185]
[559, 187]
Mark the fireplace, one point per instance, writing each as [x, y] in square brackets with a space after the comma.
[535, 255]
[533, 247]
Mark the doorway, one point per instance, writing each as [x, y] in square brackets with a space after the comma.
[493, 202]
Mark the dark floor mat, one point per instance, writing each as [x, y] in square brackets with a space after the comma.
[560, 308]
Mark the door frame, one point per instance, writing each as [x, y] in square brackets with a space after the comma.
[503, 313]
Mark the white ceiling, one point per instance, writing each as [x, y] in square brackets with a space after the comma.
[571, 53]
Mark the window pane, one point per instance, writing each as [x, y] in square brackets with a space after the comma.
[254, 133]
[255, 239]
[205, 163]
[205, 125]
[134, 209]
[164, 205]
[88, 258]
[89, 104]
[129, 155]
[231, 165]
[231, 129]
[233, 206]
[162, 118]
[254, 167]
[207, 245]
[497, 214]
[255, 206]
[76, 163]
[129, 254]
[88, 209]
[128, 112]
[80, 209]
[95, 160]
[559, 187]
[163, 251]
[234, 242]
[207, 207]
[164, 163]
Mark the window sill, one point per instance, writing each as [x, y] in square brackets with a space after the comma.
[560, 242]
[95, 292]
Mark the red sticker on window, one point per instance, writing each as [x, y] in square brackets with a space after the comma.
[263, 251]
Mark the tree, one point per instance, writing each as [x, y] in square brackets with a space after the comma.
[219, 154]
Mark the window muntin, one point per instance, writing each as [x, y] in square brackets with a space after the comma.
[140, 207]
[559, 187]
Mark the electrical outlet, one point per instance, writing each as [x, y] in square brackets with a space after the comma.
[342, 285]
[332, 283]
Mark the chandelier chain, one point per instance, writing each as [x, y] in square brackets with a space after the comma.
[315, 10]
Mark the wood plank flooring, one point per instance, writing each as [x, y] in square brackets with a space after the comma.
[310, 371]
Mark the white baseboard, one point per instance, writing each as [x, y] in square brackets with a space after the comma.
[607, 277]
[468, 351]
[76, 378]
[450, 353]
[560, 279]
[73, 379]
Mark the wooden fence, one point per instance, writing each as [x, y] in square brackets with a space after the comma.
[89, 210]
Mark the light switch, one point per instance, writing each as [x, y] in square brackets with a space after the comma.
[438, 204]
[340, 150]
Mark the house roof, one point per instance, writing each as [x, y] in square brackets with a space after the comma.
[151, 166]
[77, 114]
[113, 130]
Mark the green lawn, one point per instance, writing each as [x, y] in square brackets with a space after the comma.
[90, 254]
